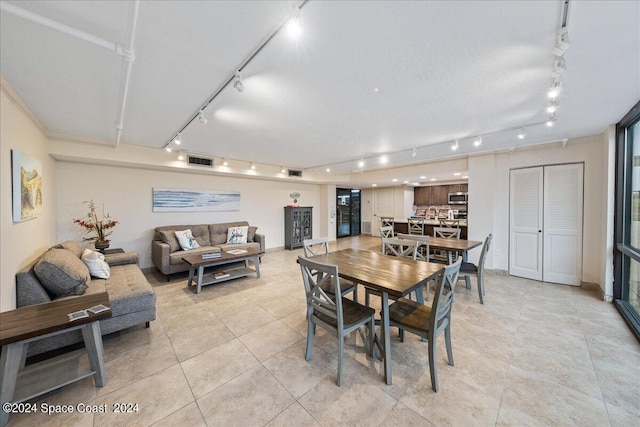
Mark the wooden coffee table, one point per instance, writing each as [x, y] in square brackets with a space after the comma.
[196, 262]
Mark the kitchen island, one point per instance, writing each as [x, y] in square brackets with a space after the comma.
[403, 227]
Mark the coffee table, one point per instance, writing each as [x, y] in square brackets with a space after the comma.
[195, 261]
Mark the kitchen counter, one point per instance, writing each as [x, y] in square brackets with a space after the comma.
[403, 227]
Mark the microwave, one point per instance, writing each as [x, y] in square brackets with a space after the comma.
[458, 198]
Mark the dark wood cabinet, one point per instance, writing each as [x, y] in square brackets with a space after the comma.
[298, 222]
[422, 196]
[439, 195]
[458, 188]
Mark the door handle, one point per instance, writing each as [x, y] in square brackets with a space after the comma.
[539, 231]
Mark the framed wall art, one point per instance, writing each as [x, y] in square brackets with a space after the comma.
[26, 174]
[172, 200]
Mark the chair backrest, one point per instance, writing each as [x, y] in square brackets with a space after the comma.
[445, 287]
[400, 247]
[386, 221]
[446, 232]
[321, 282]
[313, 247]
[416, 225]
[386, 231]
[483, 254]
[423, 244]
[450, 223]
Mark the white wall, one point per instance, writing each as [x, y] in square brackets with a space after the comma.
[327, 207]
[588, 150]
[22, 242]
[607, 209]
[480, 208]
[127, 195]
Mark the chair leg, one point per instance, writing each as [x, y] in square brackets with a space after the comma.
[401, 334]
[432, 364]
[467, 281]
[372, 334]
[367, 297]
[355, 294]
[340, 359]
[311, 330]
[447, 341]
[480, 280]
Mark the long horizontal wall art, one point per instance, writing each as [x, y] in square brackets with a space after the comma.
[172, 200]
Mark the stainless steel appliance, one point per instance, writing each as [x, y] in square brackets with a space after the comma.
[458, 198]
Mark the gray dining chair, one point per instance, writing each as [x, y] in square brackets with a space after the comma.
[387, 221]
[446, 233]
[339, 316]
[469, 269]
[422, 253]
[415, 225]
[320, 246]
[429, 322]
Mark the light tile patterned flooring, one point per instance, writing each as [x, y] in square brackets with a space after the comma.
[533, 354]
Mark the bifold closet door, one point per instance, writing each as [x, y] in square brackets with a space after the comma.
[525, 219]
[562, 231]
[545, 218]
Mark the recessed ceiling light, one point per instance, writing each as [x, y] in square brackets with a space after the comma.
[253, 166]
[457, 174]
[423, 177]
[375, 89]
[361, 164]
[433, 179]
[180, 156]
[465, 176]
[415, 183]
[384, 159]
[406, 182]
[168, 148]
[374, 185]
[224, 162]
[328, 169]
[282, 169]
[394, 180]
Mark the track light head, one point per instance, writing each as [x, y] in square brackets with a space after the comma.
[522, 134]
[455, 145]
[478, 141]
[559, 67]
[282, 169]
[562, 44]
[224, 162]
[252, 166]
[553, 106]
[384, 159]
[237, 83]
[414, 153]
[361, 164]
[556, 87]
[178, 139]
[294, 27]
[168, 149]
[202, 118]
[552, 119]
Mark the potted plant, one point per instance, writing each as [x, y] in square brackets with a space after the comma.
[101, 226]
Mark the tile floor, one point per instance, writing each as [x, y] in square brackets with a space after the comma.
[533, 354]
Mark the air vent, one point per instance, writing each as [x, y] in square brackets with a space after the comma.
[200, 161]
[295, 173]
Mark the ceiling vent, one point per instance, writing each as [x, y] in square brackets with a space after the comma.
[200, 161]
[293, 172]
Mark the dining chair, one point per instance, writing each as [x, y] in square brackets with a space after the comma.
[429, 322]
[446, 233]
[415, 225]
[337, 315]
[386, 232]
[422, 253]
[320, 246]
[402, 248]
[449, 223]
[470, 269]
[387, 221]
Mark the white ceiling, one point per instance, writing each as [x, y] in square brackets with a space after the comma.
[443, 70]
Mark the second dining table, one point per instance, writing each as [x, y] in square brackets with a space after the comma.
[391, 276]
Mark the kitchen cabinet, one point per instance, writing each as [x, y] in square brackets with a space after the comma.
[439, 195]
[422, 196]
[458, 188]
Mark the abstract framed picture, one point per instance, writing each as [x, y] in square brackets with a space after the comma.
[172, 200]
[26, 177]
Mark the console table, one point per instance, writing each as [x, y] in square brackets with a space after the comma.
[26, 324]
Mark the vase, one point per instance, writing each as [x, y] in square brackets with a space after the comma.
[101, 245]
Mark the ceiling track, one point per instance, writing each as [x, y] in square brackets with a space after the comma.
[127, 53]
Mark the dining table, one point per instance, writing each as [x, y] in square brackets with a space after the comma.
[451, 246]
[392, 276]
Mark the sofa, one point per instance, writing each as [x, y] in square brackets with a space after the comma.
[131, 297]
[167, 253]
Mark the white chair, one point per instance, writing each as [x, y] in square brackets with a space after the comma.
[386, 232]
[320, 246]
[415, 225]
[468, 269]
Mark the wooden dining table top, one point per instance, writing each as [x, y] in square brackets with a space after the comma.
[393, 275]
[457, 245]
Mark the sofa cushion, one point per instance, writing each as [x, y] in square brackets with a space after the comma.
[169, 237]
[237, 235]
[176, 257]
[62, 273]
[229, 246]
[29, 290]
[72, 246]
[251, 233]
[96, 264]
[201, 234]
[218, 233]
[129, 291]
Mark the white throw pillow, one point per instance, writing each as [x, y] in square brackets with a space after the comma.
[96, 264]
[186, 240]
[237, 234]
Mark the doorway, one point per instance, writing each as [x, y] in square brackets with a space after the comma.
[347, 212]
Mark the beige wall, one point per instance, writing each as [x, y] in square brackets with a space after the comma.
[481, 204]
[127, 196]
[24, 241]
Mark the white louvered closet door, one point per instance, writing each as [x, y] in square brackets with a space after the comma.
[525, 219]
[562, 231]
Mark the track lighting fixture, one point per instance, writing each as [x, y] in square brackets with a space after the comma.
[178, 139]
[252, 166]
[559, 67]
[455, 145]
[563, 42]
[522, 134]
[414, 153]
[384, 159]
[180, 156]
[224, 162]
[361, 164]
[282, 169]
[237, 83]
[478, 141]
[553, 106]
[556, 87]
[202, 118]
[552, 119]
[294, 28]
[168, 149]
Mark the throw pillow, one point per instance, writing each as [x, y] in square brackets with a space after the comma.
[98, 267]
[251, 234]
[169, 237]
[186, 240]
[72, 246]
[62, 273]
[237, 234]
